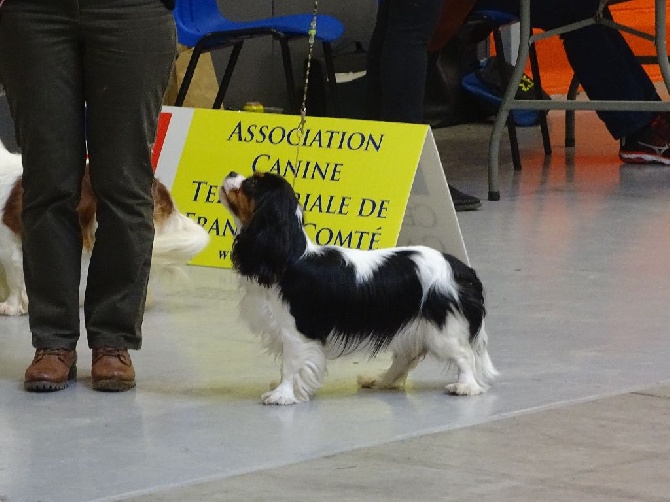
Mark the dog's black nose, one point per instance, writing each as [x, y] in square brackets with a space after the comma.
[232, 174]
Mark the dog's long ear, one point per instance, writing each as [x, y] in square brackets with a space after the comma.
[272, 239]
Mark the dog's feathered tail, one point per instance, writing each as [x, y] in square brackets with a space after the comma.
[179, 241]
[471, 296]
[472, 301]
[485, 372]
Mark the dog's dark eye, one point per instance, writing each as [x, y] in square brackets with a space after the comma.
[250, 185]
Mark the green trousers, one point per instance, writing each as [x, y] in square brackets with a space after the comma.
[86, 77]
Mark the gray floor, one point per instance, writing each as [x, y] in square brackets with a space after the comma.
[575, 261]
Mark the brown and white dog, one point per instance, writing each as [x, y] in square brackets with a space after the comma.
[177, 239]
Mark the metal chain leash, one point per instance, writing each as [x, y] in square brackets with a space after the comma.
[308, 66]
[303, 107]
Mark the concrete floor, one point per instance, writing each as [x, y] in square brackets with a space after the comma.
[575, 261]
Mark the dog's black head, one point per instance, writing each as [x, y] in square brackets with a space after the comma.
[270, 227]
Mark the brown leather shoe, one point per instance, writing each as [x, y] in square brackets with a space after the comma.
[112, 370]
[50, 370]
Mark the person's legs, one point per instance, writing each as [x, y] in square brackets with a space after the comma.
[397, 65]
[373, 63]
[40, 64]
[129, 53]
[404, 56]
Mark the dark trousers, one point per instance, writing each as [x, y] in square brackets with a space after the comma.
[600, 57]
[86, 76]
[397, 59]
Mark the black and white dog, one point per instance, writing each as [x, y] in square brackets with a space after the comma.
[311, 303]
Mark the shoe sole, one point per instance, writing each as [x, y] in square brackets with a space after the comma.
[643, 158]
[47, 386]
[468, 207]
[113, 385]
[44, 386]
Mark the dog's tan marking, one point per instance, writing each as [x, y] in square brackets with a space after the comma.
[163, 203]
[243, 206]
[87, 207]
[11, 213]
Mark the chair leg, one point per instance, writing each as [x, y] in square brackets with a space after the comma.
[332, 83]
[288, 73]
[188, 76]
[513, 142]
[511, 125]
[570, 114]
[535, 69]
[225, 81]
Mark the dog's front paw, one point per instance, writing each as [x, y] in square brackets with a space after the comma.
[465, 389]
[280, 397]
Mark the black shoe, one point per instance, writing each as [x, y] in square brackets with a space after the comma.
[463, 201]
[650, 145]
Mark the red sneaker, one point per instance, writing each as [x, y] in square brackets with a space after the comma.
[651, 145]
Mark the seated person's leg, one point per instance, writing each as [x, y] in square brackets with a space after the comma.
[607, 70]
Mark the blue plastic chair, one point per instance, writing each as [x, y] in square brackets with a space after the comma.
[201, 25]
[481, 23]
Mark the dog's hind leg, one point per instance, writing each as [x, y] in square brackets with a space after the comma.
[303, 367]
[452, 345]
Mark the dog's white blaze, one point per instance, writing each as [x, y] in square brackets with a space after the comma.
[233, 183]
